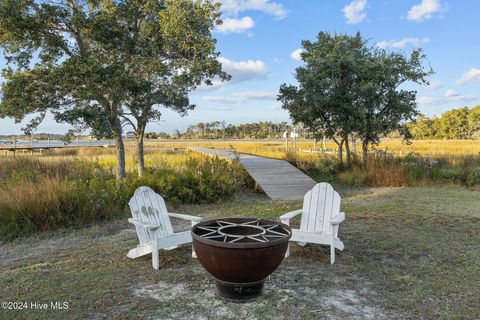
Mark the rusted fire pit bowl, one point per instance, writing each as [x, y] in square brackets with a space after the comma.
[240, 253]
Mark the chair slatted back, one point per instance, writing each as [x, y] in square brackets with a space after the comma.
[149, 207]
[319, 206]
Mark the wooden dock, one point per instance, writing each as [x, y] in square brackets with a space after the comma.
[277, 178]
[31, 150]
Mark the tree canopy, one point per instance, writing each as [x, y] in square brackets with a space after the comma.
[106, 63]
[461, 123]
[346, 88]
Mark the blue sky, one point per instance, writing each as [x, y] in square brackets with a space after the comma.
[259, 38]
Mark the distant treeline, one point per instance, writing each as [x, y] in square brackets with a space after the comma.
[221, 130]
[462, 123]
[37, 136]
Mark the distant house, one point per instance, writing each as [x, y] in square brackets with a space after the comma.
[130, 135]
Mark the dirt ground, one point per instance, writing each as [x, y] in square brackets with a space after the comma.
[88, 269]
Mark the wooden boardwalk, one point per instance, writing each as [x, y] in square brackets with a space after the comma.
[277, 178]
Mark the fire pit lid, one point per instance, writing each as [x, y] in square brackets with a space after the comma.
[241, 232]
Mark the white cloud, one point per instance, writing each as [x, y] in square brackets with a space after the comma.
[471, 75]
[451, 93]
[241, 97]
[239, 70]
[236, 25]
[402, 43]
[296, 55]
[435, 84]
[448, 97]
[425, 10]
[244, 70]
[219, 108]
[254, 95]
[354, 12]
[234, 7]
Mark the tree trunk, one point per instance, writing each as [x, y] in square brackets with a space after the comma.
[120, 174]
[354, 144]
[347, 151]
[365, 152]
[340, 148]
[140, 156]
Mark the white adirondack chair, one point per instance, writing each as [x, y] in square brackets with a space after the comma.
[154, 229]
[320, 219]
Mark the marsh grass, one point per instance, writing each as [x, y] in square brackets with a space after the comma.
[392, 163]
[51, 191]
[71, 187]
[413, 170]
[276, 149]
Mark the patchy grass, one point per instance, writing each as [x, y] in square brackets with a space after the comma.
[410, 253]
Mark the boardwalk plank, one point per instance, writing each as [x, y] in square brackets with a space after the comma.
[279, 179]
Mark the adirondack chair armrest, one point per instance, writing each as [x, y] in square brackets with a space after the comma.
[142, 224]
[338, 218]
[185, 217]
[290, 215]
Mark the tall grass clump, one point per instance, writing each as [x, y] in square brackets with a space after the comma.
[198, 180]
[386, 170]
[38, 194]
[50, 203]
[319, 167]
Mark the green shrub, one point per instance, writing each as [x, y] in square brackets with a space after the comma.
[325, 169]
[447, 174]
[473, 177]
[204, 180]
[321, 169]
[354, 178]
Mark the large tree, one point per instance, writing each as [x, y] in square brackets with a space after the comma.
[170, 54]
[382, 103]
[105, 63]
[324, 99]
[346, 87]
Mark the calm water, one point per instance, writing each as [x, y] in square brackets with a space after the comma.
[54, 143]
[58, 143]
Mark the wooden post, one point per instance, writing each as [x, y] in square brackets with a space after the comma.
[285, 135]
[14, 146]
[294, 136]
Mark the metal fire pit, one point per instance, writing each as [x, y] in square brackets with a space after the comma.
[240, 253]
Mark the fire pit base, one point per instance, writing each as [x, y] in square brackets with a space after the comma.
[239, 292]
